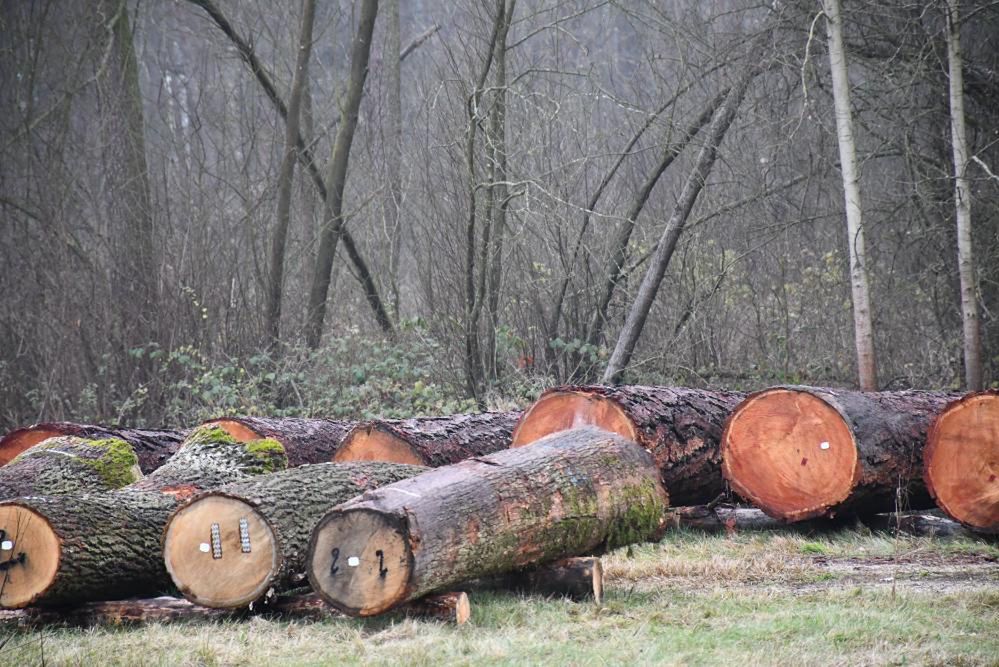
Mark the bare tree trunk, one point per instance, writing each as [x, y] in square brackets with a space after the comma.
[635, 322]
[393, 152]
[863, 329]
[286, 177]
[332, 228]
[962, 203]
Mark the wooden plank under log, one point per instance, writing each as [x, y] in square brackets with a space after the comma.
[961, 461]
[153, 447]
[680, 427]
[577, 492]
[264, 524]
[429, 441]
[804, 452]
[66, 465]
[305, 440]
[72, 549]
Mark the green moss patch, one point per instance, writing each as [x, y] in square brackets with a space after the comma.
[118, 465]
[270, 454]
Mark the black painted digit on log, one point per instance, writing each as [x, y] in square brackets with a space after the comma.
[333, 567]
[382, 570]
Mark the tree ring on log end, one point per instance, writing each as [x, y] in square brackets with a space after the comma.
[22, 439]
[790, 453]
[372, 443]
[220, 552]
[564, 410]
[961, 461]
[29, 555]
[237, 429]
[360, 561]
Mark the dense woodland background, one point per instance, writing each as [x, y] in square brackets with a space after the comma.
[513, 167]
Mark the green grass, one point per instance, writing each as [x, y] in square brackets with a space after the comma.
[691, 600]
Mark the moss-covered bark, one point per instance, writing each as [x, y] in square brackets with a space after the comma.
[152, 447]
[68, 465]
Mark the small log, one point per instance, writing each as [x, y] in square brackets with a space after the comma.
[578, 492]
[917, 524]
[733, 520]
[73, 549]
[573, 578]
[305, 440]
[804, 452]
[153, 447]
[264, 526]
[680, 427]
[67, 465]
[429, 441]
[961, 461]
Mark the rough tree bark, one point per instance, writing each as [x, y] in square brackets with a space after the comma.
[275, 278]
[152, 447]
[578, 492]
[863, 329]
[72, 549]
[429, 441]
[264, 527]
[961, 461]
[647, 291]
[962, 204]
[680, 427]
[66, 465]
[393, 151]
[804, 452]
[333, 225]
[304, 440]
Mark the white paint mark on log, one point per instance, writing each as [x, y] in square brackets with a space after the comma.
[204, 547]
[6, 545]
[823, 445]
[353, 561]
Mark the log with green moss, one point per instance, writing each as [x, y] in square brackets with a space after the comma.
[70, 549]
[262, 526]
[573, 493]
[152, 447]
[67, 465]
[305, 439]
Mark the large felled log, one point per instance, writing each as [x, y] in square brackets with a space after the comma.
[961, 461]
[305, 440]
[67, 465]
[804, 452]
[263, 526]
[680, 427]
[578, 492]
[153, 447]
[72, 549]
[429, 441]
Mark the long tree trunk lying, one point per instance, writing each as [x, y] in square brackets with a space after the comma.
[67, 465]
[680, 427]
[573, 578]
[731, 520]
[151, 446]
[304, 440]
[804, 452]
[961, 461]
[263, 526]
[578, 492]
[429, 441]
[71, 549]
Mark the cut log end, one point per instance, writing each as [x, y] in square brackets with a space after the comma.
[790, 453]
[374, 444]
[238, 430]
[220, 552]
[961, 461]
[29, 556]
[562, 411]
[361, 560]
[22, 439]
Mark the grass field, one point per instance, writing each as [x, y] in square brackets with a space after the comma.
[848, 598]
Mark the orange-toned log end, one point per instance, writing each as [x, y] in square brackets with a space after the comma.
[564, 410]
[220, 552]
[372, 443]
[790, 453]
[240, 431]
[29, 556]
[17, 441]
[961, 461]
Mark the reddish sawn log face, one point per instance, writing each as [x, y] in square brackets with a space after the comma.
[804, 452]
[153, 447]
[304, 440]
[429, 441]
[961, 461]
[680, 427]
